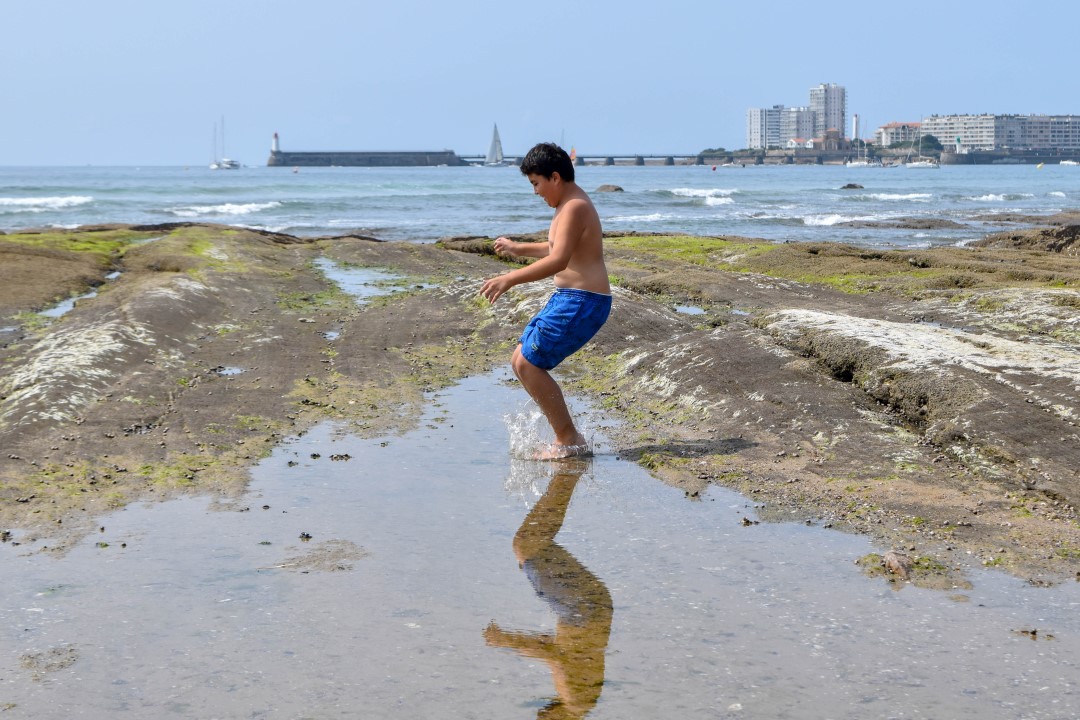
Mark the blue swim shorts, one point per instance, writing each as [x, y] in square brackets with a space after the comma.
[568, 321]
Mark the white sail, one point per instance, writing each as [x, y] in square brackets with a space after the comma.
[222, 163]
[495, 152]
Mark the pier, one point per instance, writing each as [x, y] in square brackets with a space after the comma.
[615, 159]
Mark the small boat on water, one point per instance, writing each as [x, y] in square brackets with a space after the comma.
[922, 162]
[495, 152]
[222, 162]
[861, 159]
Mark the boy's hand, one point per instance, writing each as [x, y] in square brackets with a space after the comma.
[493, 288]
[503, 245]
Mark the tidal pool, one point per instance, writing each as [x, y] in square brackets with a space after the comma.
[361, 282]
[65, 306]
[432, 575]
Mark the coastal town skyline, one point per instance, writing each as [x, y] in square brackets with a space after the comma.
[128, 84]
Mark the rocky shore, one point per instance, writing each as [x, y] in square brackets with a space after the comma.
[928, 398]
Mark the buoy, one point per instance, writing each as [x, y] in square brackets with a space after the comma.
[714, 168]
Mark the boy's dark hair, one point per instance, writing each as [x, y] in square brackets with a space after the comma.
[547, 158]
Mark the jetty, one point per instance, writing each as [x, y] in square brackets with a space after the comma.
[376, 158]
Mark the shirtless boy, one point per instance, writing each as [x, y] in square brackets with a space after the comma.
[574, 257]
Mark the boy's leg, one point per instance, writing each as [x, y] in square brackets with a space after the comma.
[548, 395]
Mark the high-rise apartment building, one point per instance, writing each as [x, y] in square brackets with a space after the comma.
[774, 127]
[829, 104]
[763, 127]
[797, 123]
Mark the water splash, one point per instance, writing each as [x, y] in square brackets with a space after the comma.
[530, 433]
[528, 430]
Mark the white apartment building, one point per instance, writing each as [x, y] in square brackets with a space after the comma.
[763, 127]
[829, 105]
[897, 132]
[996, 132]
[777, 126]
[774, 127]
[797, 123]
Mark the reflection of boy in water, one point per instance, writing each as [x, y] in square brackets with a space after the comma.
[581, 602]
[574, 255]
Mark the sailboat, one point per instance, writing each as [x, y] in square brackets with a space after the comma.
[920, 161]
[495, 152]
[222, 163]
[860, 159]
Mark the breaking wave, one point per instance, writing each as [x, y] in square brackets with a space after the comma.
[652, 217]
[710, 196]
[1000, 197]
[190, 211]
[897, 196]
[42, 204]
[826, 220]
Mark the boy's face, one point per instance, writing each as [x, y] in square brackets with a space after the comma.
[547, 188]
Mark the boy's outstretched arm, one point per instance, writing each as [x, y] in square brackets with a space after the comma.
[560, 249]
[506, 246]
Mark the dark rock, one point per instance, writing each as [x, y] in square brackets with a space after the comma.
[609, 188]
[852, 186]
[906, 224]
[1064, 240]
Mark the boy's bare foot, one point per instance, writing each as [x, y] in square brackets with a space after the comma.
[557, 451]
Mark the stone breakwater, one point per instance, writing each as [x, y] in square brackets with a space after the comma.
[927, 398]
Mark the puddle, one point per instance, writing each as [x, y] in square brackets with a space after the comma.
[144, 241]
[9, 329]
[363, 283]
[740, 313]
[113, 275]
[66, 306]
[689, 310]
[432, 575]
[331, 334]
[228, 370]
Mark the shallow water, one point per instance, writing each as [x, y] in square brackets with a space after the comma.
[361, 282]
[65, 306]
[408, 599]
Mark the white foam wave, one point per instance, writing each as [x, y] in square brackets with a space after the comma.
[1057, 193]
[42, 204]
[827, 220]
[705, 193]
[898, 196]
[719, 200]
[189, 211]
[1000, 197]
[652, 217]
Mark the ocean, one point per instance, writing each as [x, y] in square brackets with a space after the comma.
[780, 203]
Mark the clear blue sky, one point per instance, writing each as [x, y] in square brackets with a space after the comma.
[135, 82]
